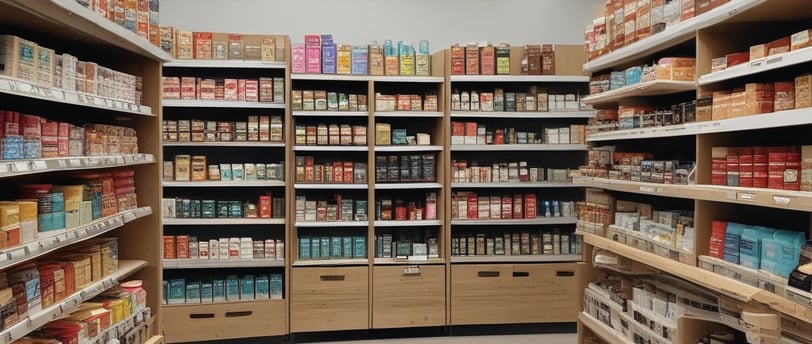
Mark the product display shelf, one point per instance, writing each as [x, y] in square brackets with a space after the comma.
[220, 221]
[606, 333]
[409, 114]
[772, 198]
[408, 223]
[63, 238]
[121, 328]
[344, 186]
[23, 88]
[522, 114]
[499, 222]
[330, 148]
[519, 147]
[236, 64]
[520, 78]
[331, 262]
[71, 17]
[395, 261]
[647, 88]
[202, 103]
[330, 114]
[778, 119]
[12, 168]
[408, 148]
[546, 258]
[222, 263]
[224, 183]
[70, 303]
[409, 79]
[331, 77]
[332, 224]
[407, 186]
[228, 144]
[759, 65]
[671, 36]
[514, 185]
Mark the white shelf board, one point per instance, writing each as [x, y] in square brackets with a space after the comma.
[330, 148]
[51, 241]
[409, 114]
[22, 88]
[648, 88]
[407, 186]
[753, 122]
[546, 258]
[346, 186]
[203, 103]
[415, 223]
[330, 77]
[332, 224]
[70, 303]
[670, 37]
[524, 114]
[221, 221]
[409, 78]
[331, 262]
[499, 222]
[225, 64]
[514, 185]
[330, 113]
[225, 184]
[519, 78]
[517, 147]
[226, 144]
[74, 17]
[221, 263]
[408, 148]
[393, 261]
[12, 168]
[761, 65]
[603, 331]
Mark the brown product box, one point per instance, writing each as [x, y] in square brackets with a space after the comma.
[758, 107]
[547, 59]
[376, 64]
[457, 60]
[806, 168]
[758, 51]
[704, 109]
[252, 47]
[629, 21]
[688, 10]
[472, 59]
[800, 39]
[738, 102]
[784, 95]
[383, 134]
[803, 97]
[643, 24]
[235, 47]
[736, 58]
[759, 92]
[487, 60]
[533, 59]
[268, 48]
[717, 3]
[199, 168]
[721, 105]
[702, 6]
[219, 46]
[779, 46]
[202, 45]
[182, 246]
[618, 34]
[718, 64]
[185, 45]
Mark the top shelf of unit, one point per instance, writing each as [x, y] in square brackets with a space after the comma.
[757, 66]
[66, 18]
[225, 64]
[671, 36]
[519, 78]
[376, 78]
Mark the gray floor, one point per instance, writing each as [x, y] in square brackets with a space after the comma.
[513, 339]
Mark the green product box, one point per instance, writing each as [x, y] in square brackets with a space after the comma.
[346, 243]
[177, 291]
[193, 292]
[206, 295]
[335, 247]
[232, 288]
[325, 247]
[218, 290]
[247, 287]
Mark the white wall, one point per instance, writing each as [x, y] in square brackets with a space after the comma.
[442, 22]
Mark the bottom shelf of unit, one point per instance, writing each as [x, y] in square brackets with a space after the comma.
[227, 320]
[157, 339]
[605, 332]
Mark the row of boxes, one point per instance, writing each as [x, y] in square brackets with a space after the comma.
[387, 246]
[666, 68]
[535, 98]
[385, 135]
[756, 247]
[195, 168]
[320, 55]
[504, 172]
[332, 246]
[335, 172]
[337, 207]
[762, 167]
[485, 59]
[471, 206]
[759, 98]
[138, 16]
[406, 102]
[201, 45]
[257, 128]
[473, 133]
[189, 247]
[798, 40]
[414, 168]
[388, 208]
[673, 229]
[228, 289]
[264, 89]
[541, 242]
[333, 135]
[321, 100]
[266, 207]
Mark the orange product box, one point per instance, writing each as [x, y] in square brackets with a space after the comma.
[803, 86]
[758, 51]
[182, 246]
[779, 46]
[643, 24]
[201, 45]
[738, 101]
[169, 247]
[629, 21]
[702, 6]
[784, 95]
[472, 59]
[737, 58]
[721, 105]
[759, 92]
[688, 10]
[487, 60]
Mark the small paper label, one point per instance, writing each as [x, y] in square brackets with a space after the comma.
[747, 196]
[75, 162]
[20, 166]
[647, 188]
[411, 270]
[40, 165]
[62, 163]
[781, 200]
[4, 168]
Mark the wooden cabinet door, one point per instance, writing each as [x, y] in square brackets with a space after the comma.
[544, 293]
[408, 299]
[481, 294]
[329, 298]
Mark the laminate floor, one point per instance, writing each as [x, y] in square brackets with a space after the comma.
[507, 339]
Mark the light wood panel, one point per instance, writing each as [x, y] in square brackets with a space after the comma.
[329, 299]
[481, 294]
[402, 299]
[225, 320]
[544, 293]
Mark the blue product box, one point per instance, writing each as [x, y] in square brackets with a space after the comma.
[96, 205]
[177, 291]
[360, 59]
[13, 147]
[32, 150]
[218, 287]
[324, 249]
[193, 292]
[328, 57]
[617, 80]
[750, 245]
[399, 137]
[633, 75]
[276, 286]
[45, 222]
[304, 248]
[360, 244]
[315, 247]
[347, 246]
[206, 293]
[58, 219]
[336, 247]
[247, 287]
[732, 242]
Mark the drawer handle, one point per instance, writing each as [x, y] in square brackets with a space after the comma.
[238, 314]
[521, 274]
[332, 277]
[564, 273]
[201, 315]
[488, 274]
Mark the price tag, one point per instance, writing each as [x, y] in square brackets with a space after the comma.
[747, 196]
[117, 104]
[75, 162]
[731, 195]
[62, 163]
[82, 232]
[18, 253]
[20, 166]
[40, 165]
[781, 200]
[776, 59]
[41, 91]
[4, 168]
[62, 237]
[13, 85]
[32, 247]
[411, 270]
[4, 257]
[92, 161]
[757, 63]
[646, 188]
[119, 160]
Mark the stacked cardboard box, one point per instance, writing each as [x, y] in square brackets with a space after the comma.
[321, 55]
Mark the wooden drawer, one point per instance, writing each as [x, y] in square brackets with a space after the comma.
[544, 293]
[481, 294]
[408, 300]
[329, 298]
[191, 323]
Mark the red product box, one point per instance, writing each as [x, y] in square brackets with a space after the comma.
[530, 206]
[265, 207]
[473, 206]
[241, 90]
[792, 173]
[737, 58]
[784, 96]
[719, 171]
[716, 248]
[188, 88]
[518, 206]
[251, 90]
[348, 172]
[507, 207]
[688, 10]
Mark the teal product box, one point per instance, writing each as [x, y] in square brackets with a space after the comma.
[750, 245]
[232, 288]
[165, 296]
[218, 287]
[177, 291]
[315, 247]
[247, 287]
[304, 248]
[208, 208]
[780, 254]
[360, 59]
[58, 219]
[277, 287]
[360, 244]
[235, 209]
[346, 243]
[263, 287]
[633, 75]
[57, 202]
[206, 293]
[336, 247]
[325, 247]
[423, 47]
[96, 203]
[193, 292]
[222, 209]
[45, 222]
[388, 48]
[399, 137]
[186, 208]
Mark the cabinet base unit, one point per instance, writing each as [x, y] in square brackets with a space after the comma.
[406, 297]
[190, 323]
[329, 298]
[519, 293]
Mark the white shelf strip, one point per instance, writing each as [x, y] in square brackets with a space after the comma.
[300, 113]
[499, 222]
[648, 88]
[226, 144]
[331, 262]
[225, 64]
[518, 114]
[760, 65]
[330, 148]
[331, 224]
[221, 221]
[519, 78]
[407, 186]
[409, 114]
[346, 186]
[546, 258]
[225, 183]
[517, 147]
[221, 263]
[408, 148]
[12, 168]
[204, 103]
[413, 223]
[514, 185]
